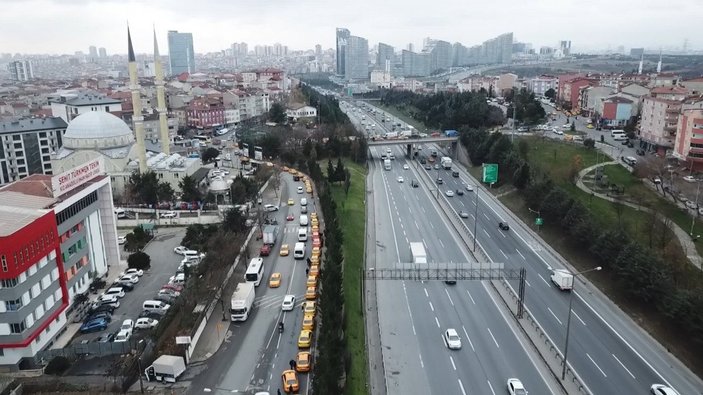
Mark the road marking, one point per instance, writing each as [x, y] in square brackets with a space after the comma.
[528, 283]
[416, 225]
[450, 298]
[452, 361]
[462, 203]
[520, 253]
[437, 322]
[501, 251]
[423, 208]
[494, 339]
[426, 294]
[491, 387]
[431, 306]
[577, 316]
[555, 316]
[623, 366]
[468, 338]
[407, 304]
[461, 387]
[487, 217]
[545, 281]
[441, 242]
[594, 362]
[484, 231]
[422, 363]
[432, 226]
[471, 297]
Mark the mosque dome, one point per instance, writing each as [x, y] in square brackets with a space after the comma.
[218, 186]
[97, 130]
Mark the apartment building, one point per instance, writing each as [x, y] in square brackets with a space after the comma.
[55, 234]
[205, 112]
[71, 103]
[660, 115]
[26, 146]
[689, 134]
[540, 85]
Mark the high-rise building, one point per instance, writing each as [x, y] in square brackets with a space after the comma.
[92, 53]
[385, 53]
[411, 47]
[356, 60]
[21, 70]
[565, 46]
[180, 52]
[342, 38]
[415, 64]
[102, 52]
[440, 54]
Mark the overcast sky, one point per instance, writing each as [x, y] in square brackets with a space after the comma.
[66, 26]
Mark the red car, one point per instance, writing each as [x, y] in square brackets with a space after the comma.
[435, 134]
[290, 217]
[265, 250]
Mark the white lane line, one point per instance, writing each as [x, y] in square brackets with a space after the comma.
[431, 306]
[528, 283]
[545, 281]
[450, 298]
[577, 316]
[468, 338]
[426, 294]
[422, 363]
[623, 366]
[401, 222]
[494, 339]
[462, 203]
[555, 316]
[432, 226]
[484, 231]
[594, 363]
[461, 387]
[491, 387]
[407, 304]
[501, 251]
[452, 361]
[437, 322]
[441, 242]
[520, 253]
[487, 217]
[423, 208]
[471, 297]
[418, 228]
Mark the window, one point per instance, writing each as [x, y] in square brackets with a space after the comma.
[3, 259]
[13, 305]
[8, 282]
[17, 327]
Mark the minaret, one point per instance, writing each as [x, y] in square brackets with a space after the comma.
[641, 64]
[659, 65]
[161, 100]
[136, 105]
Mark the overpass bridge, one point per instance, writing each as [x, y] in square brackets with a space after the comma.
[410, 144]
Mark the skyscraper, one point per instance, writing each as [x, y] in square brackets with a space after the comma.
[565, 47]
[342, 38]
[356, 59]
[385, 52]
[92, 53]
[21, 70]
[180, 52]
[102, 52]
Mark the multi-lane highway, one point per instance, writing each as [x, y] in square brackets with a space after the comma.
[255, 354]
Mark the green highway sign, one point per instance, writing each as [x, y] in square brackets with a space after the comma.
[539, 221]
[490, 173]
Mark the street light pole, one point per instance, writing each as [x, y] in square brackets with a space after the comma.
[568, 320]
[476, 216]
[139, 366]
[693, 218]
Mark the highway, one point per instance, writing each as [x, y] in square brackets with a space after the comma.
[255, 354]
[413, 315]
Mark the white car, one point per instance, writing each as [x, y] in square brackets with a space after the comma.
[661, 389]
[400, 179]
[121, 240]
[117, 292]
[138, 272]
[515, 387]
[451, 339]
[690, 204]
[557, 131]
[469, 188]
[406, 167]
[146, 323]
[463, 214]
[107, 300]
[270, 207]
[169, 214]
[127, 326]
[689, 179]
[132, 278]
[449, 193]
[288, 303]
[122, 337]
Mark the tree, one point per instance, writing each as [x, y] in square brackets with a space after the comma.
[234, 221]
[277, 113]
[189, 189]
[209, 154]
[330, 172]
[589, 143]
[551, 94]
[147, 189]
[573, 126]
[339, 171]
[139, 260]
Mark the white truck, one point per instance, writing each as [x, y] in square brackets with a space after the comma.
[405, 134]
[242, 301]
[166, 368]
[563, 279]
[387, 164]
[270, 233]
[446, 162]
[417, 250]
[390, 135]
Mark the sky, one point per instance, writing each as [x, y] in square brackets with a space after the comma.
[67, 26]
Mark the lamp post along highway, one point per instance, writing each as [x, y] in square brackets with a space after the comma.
[475, 216]
[568, 320]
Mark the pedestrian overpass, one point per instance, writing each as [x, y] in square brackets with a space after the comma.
[410, 151]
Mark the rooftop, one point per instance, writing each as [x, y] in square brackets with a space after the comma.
[90, 98]
[33, 124]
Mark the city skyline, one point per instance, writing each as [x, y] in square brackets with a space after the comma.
[645, 23]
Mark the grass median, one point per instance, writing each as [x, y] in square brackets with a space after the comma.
[351, 211]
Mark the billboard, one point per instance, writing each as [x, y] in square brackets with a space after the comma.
[245, 149]
[73, 178]
[258, 153]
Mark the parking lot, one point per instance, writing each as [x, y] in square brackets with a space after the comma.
[164, 263]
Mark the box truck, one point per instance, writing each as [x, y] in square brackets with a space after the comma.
[387, 164]
[417, 250]
[166, 368]
[242, 301]
[446, 162]
[270, 234]
[563, 279]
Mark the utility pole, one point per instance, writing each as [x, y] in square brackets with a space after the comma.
[476, 216]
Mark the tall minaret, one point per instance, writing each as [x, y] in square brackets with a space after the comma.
[161, 100]
[136, 105]
[639, 71]
[659, 64]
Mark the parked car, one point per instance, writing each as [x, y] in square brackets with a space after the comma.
[125, 284]
[157, 315]
[104, 338]
[132, 271]
[146, 323]
[94, 325]
[270, 207]
[101, 314]
[127, 326]
[121, 240]
[100, 308]
[122, 336]
[133, 278]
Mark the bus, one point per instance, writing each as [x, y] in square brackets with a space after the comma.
[255, 271]
[203, 139]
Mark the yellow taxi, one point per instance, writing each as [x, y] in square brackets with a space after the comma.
[308, 190]
[316, 251]
[311, 293]
[314, 222]
[314, 270]
[305, 339]
[311, 282]
[303, 361]
[284, 250]
[314, 260]
[589, 126]
[291, 202]
[316, 242]
[285, 168]
[308, 321]
[315, 228]
[275, 280]
[309, 308]
[313, 215]
[290, 381]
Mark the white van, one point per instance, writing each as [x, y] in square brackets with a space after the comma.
[303, 220]
[191, 255]
[302, 234]
[618, 135]
[299, 252]
[155, 306]
[120, 213]
[304, 202]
